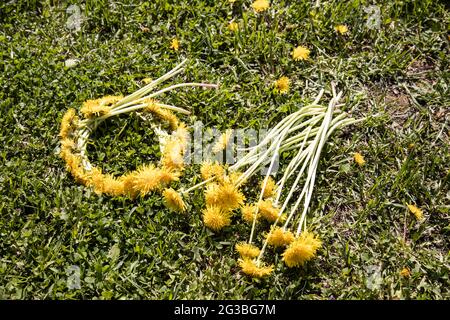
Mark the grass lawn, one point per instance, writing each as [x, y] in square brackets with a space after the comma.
[393, 62]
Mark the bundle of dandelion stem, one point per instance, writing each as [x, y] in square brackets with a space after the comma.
[303, 132]
[74, 134]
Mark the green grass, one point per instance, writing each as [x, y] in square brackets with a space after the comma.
[136, 248]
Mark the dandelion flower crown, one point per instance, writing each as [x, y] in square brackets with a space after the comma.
[75, 132]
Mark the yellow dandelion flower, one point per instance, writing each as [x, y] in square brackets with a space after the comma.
[282, 218]
[68, 123]
[301, 250]
[418, 213]
[65, 154]
[233, 26]
[167, 175]
[147, 80]
[248, 213]
[94, 108]
[212, 194]
[112, 185]
[174, 44]
[231, 1]
[152, 105]
[225, 196]
[110, 100]
[209, 170]
[128, 184]
[173, 161]
[80, 175]
[173, 200]
[73, 162]
[68, 143]
[96, 180]
[172, 155]
[300, 53]
[359, 159]
[342, 29]
[215, 218]
[163, 114]
[251, 268]
[247, 250]
[234, 176]
[170, 117]
[278, 237]
[268, 211]
[182, 135]
[282, 85]
[148, 178]
[260, 5]
[223, 141]
[405, 273]
[270, 188]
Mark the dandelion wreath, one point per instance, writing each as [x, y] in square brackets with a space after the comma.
[75, 131]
